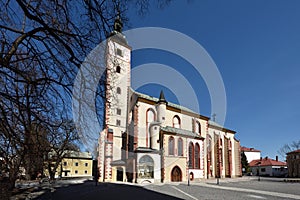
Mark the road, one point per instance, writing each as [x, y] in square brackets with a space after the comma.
[236, 190]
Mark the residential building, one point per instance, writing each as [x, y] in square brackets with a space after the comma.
[268, 167]
[148, 139]
[74, 164]
[293, 163]
[251, 153]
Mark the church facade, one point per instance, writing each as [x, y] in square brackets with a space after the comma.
[148, 139]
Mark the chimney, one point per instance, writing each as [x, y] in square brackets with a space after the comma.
[266, 157]
[277, 158]
[260, 158]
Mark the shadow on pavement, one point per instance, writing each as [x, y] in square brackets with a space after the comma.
[88, 190]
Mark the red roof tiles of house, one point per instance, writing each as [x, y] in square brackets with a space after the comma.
[296, 151]
[246, 149]
[266, 162]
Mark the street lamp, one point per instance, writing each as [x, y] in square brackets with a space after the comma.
[188, 165]
[259, 171]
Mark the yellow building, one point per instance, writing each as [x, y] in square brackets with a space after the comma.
[75, 164]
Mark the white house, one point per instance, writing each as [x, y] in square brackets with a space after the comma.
[268, 167]
[251, 153]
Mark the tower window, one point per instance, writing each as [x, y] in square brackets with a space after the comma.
[118, 90]
[118, 69]
[118, 111]
[118, 122]
[119, 52]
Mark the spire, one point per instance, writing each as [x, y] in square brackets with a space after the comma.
[118, 24]
[162, 98]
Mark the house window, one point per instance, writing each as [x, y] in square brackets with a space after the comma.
[171, 145]
[198, 127]
[197, 156]
[76, 172]
[76, 164]
[65, 163]
[180, 147]
[86, 164]
[118, 122]
[118, 90]
[146, 167]
[118, 111]
[119, 52]
[263, 169]
[150, 117]
[118, 69]
[191, 155]
[176, 122]
[85, 172]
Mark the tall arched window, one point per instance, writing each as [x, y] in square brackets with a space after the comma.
[191, 155]
[197, 156]
[198, 127]
[150, 117]
[176, 122]
[171, 145]
[180, 147]
[146, 167]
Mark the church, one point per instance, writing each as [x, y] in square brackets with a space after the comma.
[150, 140]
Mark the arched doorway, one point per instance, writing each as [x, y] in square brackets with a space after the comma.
[176, 175]
[119, 174]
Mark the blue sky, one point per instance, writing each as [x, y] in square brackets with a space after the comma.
[256, 47]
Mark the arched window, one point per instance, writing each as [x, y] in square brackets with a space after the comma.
[191, 155]
[118, 90]
[180, 147]
[150, 117]
[197, 156]
[176, 122]
[118, 69]
[198, 127]
[171, 145]
[146, 167]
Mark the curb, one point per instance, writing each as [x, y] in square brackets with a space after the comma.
[292, 180]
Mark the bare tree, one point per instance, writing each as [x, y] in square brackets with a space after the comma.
[288, 148]
[43, 44]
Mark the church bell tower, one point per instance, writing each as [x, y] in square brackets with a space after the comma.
[118, 55]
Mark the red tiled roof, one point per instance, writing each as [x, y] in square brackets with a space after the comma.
[246, 149]
[266, 162]
[296, 151]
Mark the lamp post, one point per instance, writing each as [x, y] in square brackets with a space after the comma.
[188, 164]
[259, 171]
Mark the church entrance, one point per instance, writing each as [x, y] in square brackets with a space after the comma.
[176, 175]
